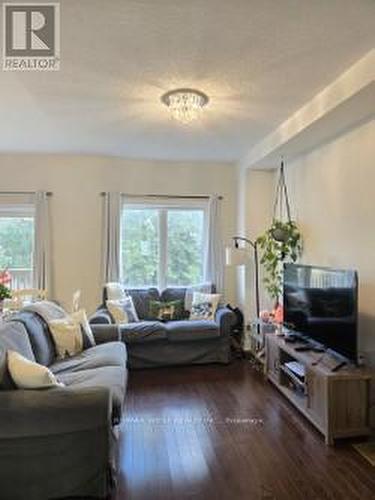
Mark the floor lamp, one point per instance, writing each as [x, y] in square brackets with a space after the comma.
[236, 256]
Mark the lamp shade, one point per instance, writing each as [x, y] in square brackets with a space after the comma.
[236, 256]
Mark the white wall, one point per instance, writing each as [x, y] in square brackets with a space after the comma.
[333, 198]
[254, 209]
[76, 206]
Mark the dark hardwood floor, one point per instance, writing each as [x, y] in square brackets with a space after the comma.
[222, 432]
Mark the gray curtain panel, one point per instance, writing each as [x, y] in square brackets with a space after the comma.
[111, 237]
[42, 244]
[214, 254]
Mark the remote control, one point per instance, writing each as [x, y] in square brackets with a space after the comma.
[302, 348]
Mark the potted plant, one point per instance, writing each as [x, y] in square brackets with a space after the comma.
[5, 293]
[282, 242]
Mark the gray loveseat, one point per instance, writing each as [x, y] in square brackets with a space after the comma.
[60, 442]
[153, 343]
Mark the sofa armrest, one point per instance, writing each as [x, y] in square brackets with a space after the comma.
[46, 412]
[225, 318]
[105, 333]
[101, 317]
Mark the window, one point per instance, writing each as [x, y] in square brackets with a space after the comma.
[162, 245]
[16, 244]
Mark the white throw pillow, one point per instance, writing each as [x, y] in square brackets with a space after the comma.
[115, 291]
[117, 311]
[81, 318]
[130, 309]
[67, 336]
[204, 305]
[29, 375]
[122, 311]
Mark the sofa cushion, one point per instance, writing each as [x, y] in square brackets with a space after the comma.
[13, 336]
[141, 299]
[40, 337]
[143, 331]
[173, 293]
[109, 354]
[113, 378]
[192, 330]
[101, 317]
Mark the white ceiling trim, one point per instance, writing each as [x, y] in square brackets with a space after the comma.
[348, 100]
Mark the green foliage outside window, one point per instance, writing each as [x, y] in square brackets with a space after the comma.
[16, 242]
[185, 247]
[140, 248]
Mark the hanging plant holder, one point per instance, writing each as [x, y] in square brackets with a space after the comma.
[281, 201]
[281, 242]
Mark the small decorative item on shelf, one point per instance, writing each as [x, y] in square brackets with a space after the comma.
[265, 316]
[278, 318]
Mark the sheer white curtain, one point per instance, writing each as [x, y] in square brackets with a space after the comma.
[214, 254]
[42, 243]
[111, 237]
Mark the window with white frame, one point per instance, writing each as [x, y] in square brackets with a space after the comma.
[162, 244]
[17, 243]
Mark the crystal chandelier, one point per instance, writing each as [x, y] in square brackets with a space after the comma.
[185, 105]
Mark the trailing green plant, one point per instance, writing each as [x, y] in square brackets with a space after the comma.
[5, 293]
[282, 242]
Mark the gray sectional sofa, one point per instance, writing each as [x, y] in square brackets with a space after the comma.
[60, 442]
[153, 343]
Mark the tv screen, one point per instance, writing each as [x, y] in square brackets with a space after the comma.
[322, 304]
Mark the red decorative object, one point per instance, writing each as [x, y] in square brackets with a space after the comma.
[5, 277]
[278, 314]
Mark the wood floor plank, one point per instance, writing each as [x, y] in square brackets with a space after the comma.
[223, 432]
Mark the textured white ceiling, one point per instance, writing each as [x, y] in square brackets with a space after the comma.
[258, 60]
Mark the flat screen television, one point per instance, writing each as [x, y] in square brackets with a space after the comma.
[322, 304]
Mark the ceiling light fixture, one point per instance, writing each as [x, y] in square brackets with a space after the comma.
[185, 105]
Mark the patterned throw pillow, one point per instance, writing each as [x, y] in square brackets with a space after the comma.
[204, 306]
[166, 311]
[122, 311]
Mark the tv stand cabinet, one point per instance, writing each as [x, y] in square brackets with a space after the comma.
[336, 403]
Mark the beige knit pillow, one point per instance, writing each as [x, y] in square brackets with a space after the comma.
[67, 336]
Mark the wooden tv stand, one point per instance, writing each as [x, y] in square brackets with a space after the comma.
[336, 403]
